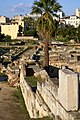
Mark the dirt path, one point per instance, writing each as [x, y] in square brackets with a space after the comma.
[10, 107]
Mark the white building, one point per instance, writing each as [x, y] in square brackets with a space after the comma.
[34, 16]
[73, 19]
[60, 14]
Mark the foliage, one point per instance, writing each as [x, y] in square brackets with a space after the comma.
[44, 6]
[7, 38]
[30, 32]
[19, 34]
[29, 22]
[30, 27]
[45, 24]
[32, 80]
[20, 30]
[66, 34]
[4, 38]
[19, 96]
[78, 33]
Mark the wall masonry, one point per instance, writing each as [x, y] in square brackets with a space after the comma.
[52, 97]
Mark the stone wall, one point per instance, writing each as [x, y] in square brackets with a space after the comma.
[49, 91]
[33, 101]
[46, 101]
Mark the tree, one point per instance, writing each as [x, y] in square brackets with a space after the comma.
[67, 33]
[20, 30]
[46, 24]
[7, 38]
[29, 21]
[30, 29]
[78, 33]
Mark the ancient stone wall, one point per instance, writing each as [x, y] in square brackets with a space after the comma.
[53, 94]
[46, 101]
[33, 101]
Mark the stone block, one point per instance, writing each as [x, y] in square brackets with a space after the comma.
[68, 89]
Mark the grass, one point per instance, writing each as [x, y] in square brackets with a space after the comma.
[32, 80]
[19, 96]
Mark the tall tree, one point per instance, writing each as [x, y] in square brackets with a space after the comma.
[46, 24]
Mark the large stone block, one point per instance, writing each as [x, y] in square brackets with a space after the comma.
[68, 89]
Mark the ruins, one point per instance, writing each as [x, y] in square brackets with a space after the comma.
[57, 97]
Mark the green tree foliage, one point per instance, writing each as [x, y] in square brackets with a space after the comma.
[7, 38]
[30, 24]
[78, 33]
[4, 38]
[20, 30]
[45, 24]
[67, 33]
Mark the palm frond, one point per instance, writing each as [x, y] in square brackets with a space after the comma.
[39, 4]
[56, 7]
[36, 10]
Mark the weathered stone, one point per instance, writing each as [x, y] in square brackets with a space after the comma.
[68, 89]
[50, 98]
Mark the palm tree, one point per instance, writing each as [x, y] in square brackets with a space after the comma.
[46, 24]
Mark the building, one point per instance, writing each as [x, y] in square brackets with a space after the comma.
[34, 16]
[73, 20]
[60, 14]
[77, 12]
[19, 19]
[10, 29]
[4, 20]
[13, 27]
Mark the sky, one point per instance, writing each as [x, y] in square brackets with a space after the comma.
[10, 8]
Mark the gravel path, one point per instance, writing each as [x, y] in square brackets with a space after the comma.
[10, 107]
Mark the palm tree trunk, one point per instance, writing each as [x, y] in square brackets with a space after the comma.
[46, 53]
